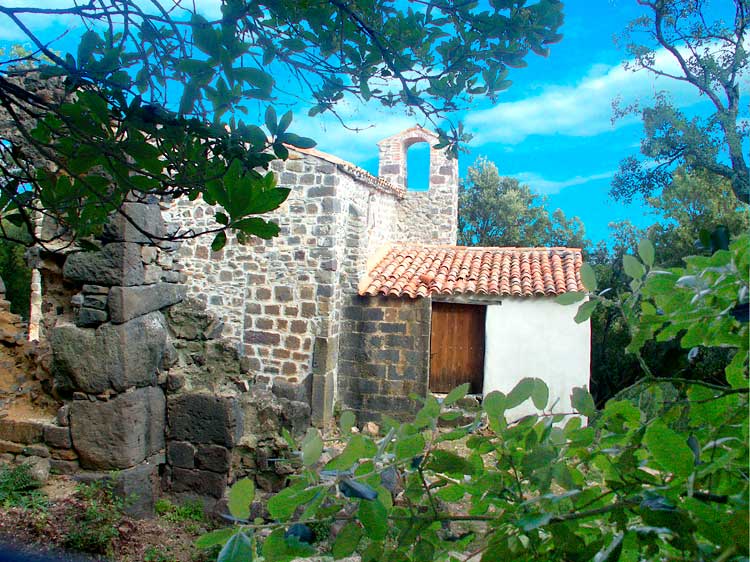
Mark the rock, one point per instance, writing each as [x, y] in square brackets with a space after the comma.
[37, 450]
[204, 418]
[112, 356]
[175, 382]
[2, 286]
[90, 317]
[290, 391]
[212, 457]
[140, 487]
[39, 469]
[201, 482]
[21, 431]
[371, 428]
[63, 415]
[126, 303]
[57, 437]
[181, 454]
[146, 217]
[63, 467]
[121, 432]
[10, 447]
[115, 264]
[98, 302]
[189, 320]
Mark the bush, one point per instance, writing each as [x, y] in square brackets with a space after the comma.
[634, 486]
[95, 525]
[18, 488]
[188, 511]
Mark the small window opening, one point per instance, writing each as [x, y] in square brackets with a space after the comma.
[418, 167]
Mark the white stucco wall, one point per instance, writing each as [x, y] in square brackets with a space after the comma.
[536, 338]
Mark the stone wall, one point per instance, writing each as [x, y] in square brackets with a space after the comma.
[280, 300]
[384, 356]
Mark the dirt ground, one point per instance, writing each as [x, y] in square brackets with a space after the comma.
[42, 532]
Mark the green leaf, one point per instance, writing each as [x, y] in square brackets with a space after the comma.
[374, 518]
[532, 521]
[669, 448]
[494, 404]
[347, 540]
[520, 393]
[585, 311]
[410, 446]
[271, 120]
[239, 548]
[451, 493]
[347, 421]
[582, 402]
[283, 505]
[257, 226]
[588, 277]
[449, 463]
[456, 394]
[312, 447]
[280, 548]
[241, 495]
[540, 394]
[647, 252]
[219, 536]
[571, 297]
[219, 242]
[354, 450]
[632, 267]
[284, 123]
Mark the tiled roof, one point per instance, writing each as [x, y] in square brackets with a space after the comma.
[355, 171]
[419, 271]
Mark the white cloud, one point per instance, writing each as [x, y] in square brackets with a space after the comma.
[373, 121]
[581, 110]
[539, 184]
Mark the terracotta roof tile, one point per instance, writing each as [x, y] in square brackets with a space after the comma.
[419, 271]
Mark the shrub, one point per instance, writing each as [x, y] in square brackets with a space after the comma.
[18, 488]
[94, 526]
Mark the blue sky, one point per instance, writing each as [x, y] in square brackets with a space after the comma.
[552, 129]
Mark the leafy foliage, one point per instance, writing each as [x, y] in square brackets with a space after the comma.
[156, 98]
[93, 528]
[629, 486]
[711, 56]
[499, 211]
[18, 488]
[15, 273]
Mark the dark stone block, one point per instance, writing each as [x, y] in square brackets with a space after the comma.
[89, 317]
[204, 418]
[57, 437]
[181, 454]
[118, 263]
[392, 328]
[402, 342]
[112, 356]
[213, 457]
[290, 391]
[126, 303]
[321, 191]
[201, 482]
[372, 314]
[145, 217]
[121, 432]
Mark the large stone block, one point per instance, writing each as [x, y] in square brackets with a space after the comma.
[204, 418]
[21, 431]
[136, 222]
[121, 432]
[118, 263]
[112, 356]
[126, 303]
[201, 482]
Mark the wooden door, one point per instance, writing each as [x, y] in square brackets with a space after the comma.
[457, 347]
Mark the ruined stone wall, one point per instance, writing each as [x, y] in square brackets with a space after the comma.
[384, 356]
